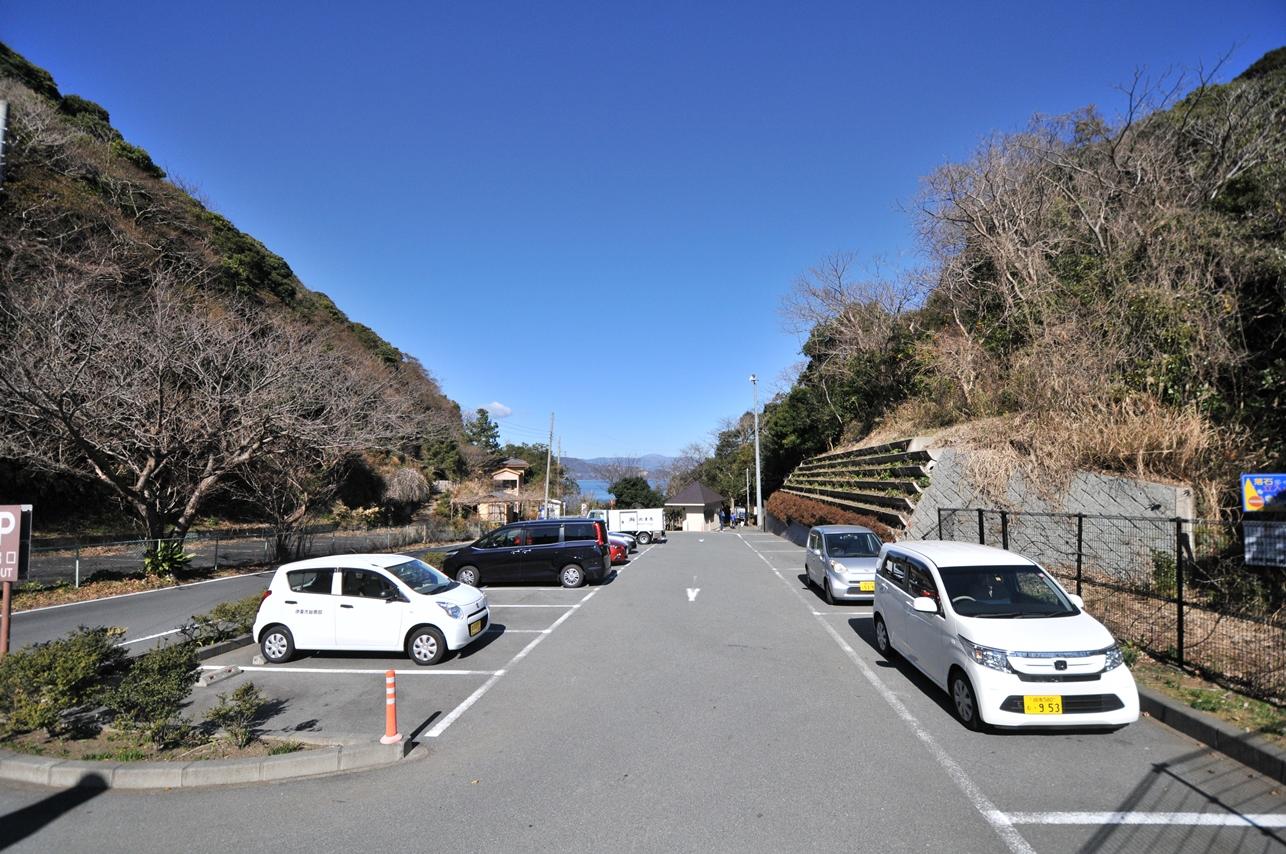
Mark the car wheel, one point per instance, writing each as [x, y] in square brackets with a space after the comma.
[826, 591]
[572, 575]
[965, 702]
[277, 645]
[882, 641]
[426, 646]
[468, 575]
[644, 538]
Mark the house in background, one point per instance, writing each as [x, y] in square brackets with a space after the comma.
[700, 506]
[505, 502]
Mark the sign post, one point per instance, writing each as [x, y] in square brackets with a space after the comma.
[15, 555]
[1263, 500]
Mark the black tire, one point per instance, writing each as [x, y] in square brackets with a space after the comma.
[826, 591]
[644, 538]
[468, 575]
[883, 642]
[572, 576]
[426, 646]
[277, 644]
[965, 702]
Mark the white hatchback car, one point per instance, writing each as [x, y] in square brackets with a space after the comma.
[1004, 639]
[375, 602]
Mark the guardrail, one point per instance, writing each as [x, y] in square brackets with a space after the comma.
[1180, 589]
[79, 562]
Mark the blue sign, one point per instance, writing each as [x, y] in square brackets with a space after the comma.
[1260, 492]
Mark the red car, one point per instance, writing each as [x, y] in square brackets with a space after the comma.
[619, 553]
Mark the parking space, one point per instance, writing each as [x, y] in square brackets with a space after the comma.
[340, 695]
[1142, 788]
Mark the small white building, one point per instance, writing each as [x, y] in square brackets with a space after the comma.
[700, 505]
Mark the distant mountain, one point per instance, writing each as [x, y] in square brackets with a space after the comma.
[584, 469]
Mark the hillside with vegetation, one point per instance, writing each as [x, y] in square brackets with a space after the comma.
[158, 359]
[1102, 294]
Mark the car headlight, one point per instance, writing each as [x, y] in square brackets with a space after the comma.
[453, 611]
[836, 565]
[996, 659]
[1112, 658]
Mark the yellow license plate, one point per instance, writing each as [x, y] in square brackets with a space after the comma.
[475, 627]
[866, 586]
[1043, 705]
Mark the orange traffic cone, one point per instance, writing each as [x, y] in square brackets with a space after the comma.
[391, 735]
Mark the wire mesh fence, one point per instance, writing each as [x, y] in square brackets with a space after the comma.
[79, 562]
[1201, 593]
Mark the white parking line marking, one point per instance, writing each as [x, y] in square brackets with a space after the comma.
[494, 605]
[419, 671]
[1202, 819]
[441, 726]
[142, 592]
[149, 637]
[999, 822]
[497, 630]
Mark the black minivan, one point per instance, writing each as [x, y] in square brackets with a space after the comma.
[572, 550]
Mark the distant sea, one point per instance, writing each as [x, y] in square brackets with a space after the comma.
[598, 488]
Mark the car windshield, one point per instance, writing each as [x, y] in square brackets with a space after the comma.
[1004, 592]
[422, 578]
[852, 544]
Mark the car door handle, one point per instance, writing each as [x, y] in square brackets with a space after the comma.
[345, 606]
[291, 602]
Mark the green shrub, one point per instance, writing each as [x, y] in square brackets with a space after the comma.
[285, 747]
[1164, 573]
[237, 715]
[136, 156]
[41, 684]
[148, 697]
[165, 557]
[225, 620]
[1129, 653]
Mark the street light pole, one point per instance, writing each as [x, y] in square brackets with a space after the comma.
[759, 477]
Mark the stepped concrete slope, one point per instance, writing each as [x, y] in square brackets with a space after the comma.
[884, 481]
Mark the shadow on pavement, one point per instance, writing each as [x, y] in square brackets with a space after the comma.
[864, 628]
[20, 824]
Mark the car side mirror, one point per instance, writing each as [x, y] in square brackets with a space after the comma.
[1076, 600]
[924, 605]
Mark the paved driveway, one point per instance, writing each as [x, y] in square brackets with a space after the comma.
[705, 700]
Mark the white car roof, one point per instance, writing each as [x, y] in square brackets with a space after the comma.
[951, 553]
[368, 561]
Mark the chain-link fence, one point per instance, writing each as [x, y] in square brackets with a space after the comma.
[79, 562]
[1202, 593]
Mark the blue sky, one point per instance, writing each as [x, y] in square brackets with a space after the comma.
[594, 208]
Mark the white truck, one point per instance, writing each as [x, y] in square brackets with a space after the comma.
[644, 525]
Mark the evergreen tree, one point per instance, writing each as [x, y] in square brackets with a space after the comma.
[483, 432]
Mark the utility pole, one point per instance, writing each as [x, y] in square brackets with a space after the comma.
[549, 454]
[747, 493]
[4, 116]
[560, 475]
[759, 477]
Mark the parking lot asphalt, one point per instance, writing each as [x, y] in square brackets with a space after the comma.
[704, 699]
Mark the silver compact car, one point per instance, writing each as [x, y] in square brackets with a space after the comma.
[840, 560]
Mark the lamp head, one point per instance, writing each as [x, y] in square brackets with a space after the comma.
[752, 378]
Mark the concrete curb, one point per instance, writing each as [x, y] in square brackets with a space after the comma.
[329, 759]
[223, 646]
[1249, 749]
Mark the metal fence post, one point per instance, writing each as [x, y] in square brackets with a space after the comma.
[1178, 585]
[1080, 548]
[1004, 529]
[982, 529]
[77, 564]
[939, 523]
[216, 552]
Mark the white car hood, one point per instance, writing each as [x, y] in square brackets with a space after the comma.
[1081, 633]
[467, 597]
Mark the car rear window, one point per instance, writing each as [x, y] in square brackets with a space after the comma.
[579, 531]
[309, 580]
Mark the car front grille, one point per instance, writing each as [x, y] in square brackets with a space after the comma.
[1083, 704]
[1058, 677]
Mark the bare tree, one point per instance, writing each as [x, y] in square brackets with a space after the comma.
[613, 469]
[162, 395]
